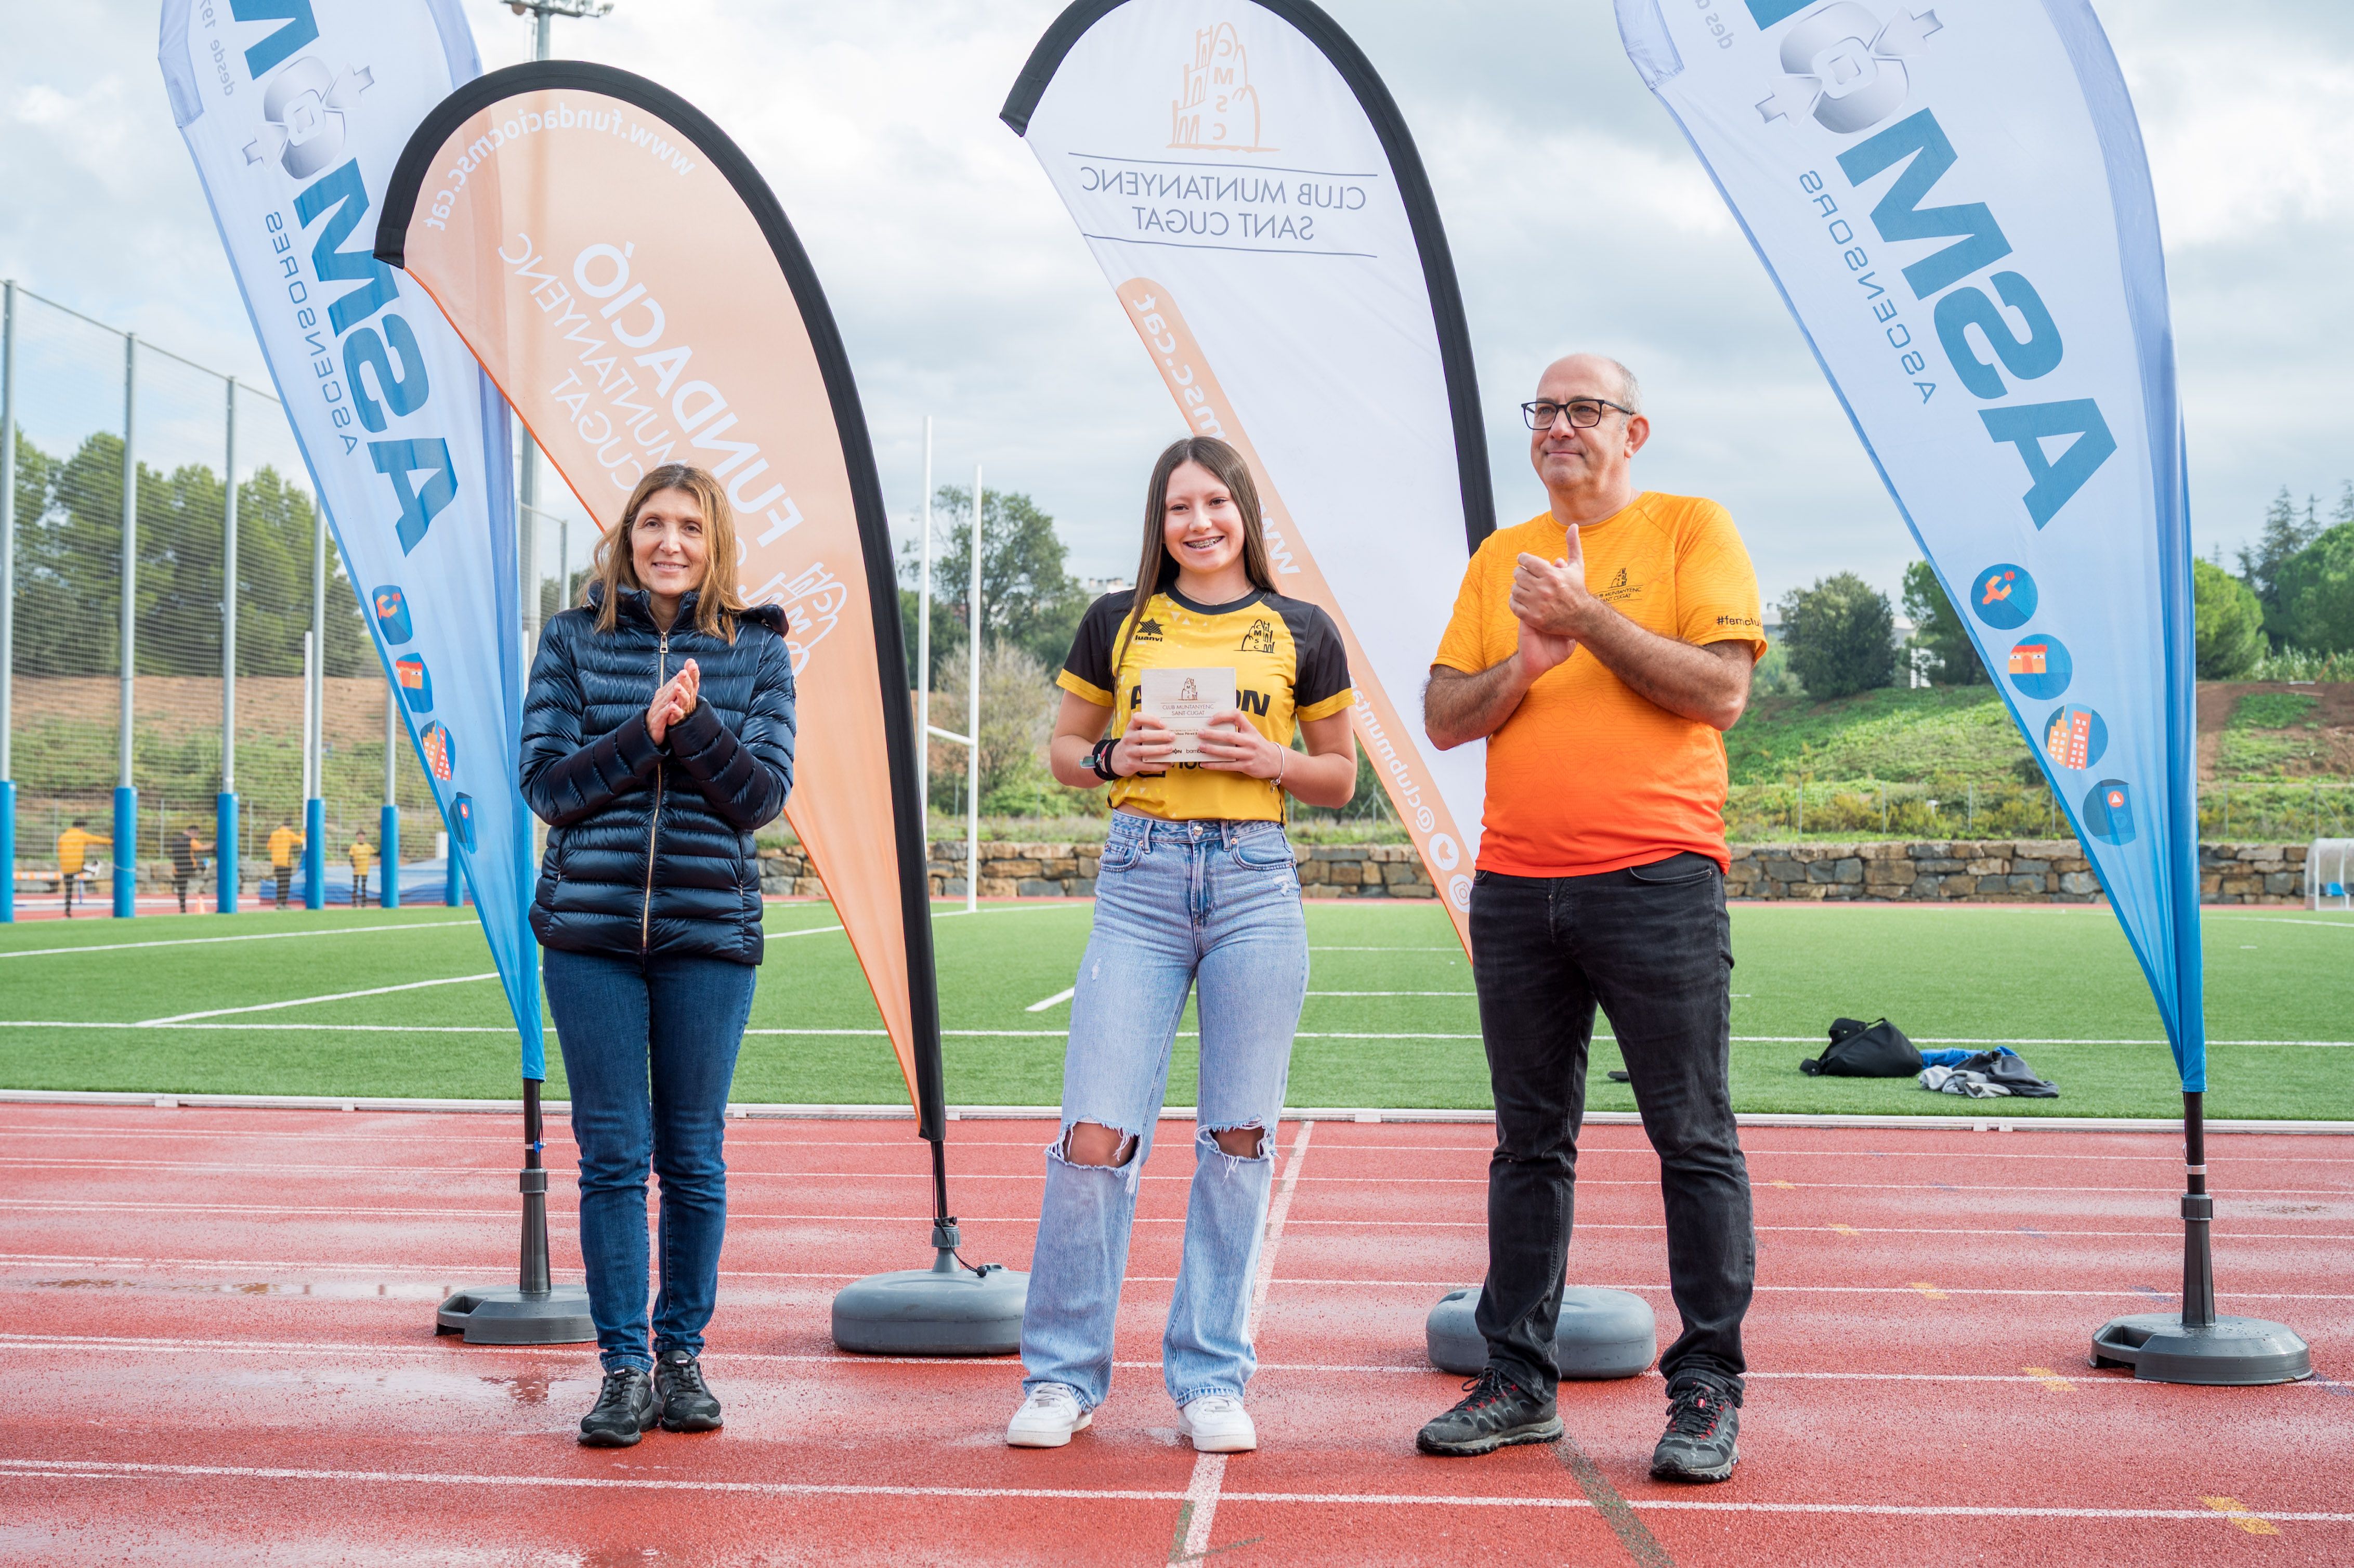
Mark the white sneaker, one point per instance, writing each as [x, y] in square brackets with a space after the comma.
[1217, 1424]
[1047, 1418]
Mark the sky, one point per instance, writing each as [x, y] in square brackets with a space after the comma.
[1577, 217]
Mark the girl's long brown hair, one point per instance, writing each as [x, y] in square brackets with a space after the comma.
[718, 601]
[1157, 568]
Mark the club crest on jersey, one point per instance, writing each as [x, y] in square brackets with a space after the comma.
[1259, 638]
[1148, 630]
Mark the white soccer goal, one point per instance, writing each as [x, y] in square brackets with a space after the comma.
[2329, 874]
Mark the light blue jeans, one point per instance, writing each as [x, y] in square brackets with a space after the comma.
[1216, 903]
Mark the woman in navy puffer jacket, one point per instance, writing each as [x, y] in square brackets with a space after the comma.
[657, 734]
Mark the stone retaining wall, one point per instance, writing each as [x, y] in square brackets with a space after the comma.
[1990, 870]
[2051, 871]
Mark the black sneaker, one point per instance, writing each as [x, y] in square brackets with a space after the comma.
[1703, 1419]
[1495, 1413]
[687, 1402]
[625, 1409]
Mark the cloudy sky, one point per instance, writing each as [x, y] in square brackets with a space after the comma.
[1578, 219]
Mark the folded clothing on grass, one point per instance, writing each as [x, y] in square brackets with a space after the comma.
[1984, 1075]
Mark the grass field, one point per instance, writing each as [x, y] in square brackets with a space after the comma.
[1390, 1018]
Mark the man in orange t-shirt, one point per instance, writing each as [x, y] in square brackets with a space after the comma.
[1601, 648]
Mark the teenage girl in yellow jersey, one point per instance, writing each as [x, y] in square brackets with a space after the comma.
[1197, 887]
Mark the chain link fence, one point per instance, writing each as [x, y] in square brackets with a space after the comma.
[80, 390]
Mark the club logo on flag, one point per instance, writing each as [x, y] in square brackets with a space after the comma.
[2030, 658]
[1217, 108]
[2003, 597]
[2075, 737]
[2040, 669]
[461, 822]
[1847, 69]
[441, 751]
[415, 683]
[391, 608]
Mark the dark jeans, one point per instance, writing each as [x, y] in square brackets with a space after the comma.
[650, 1049]
[1651, 944]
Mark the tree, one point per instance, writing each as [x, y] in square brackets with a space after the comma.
[1028, 599]
[1841, 636]
[2285, 534]
[2230, 623]
[1938, 630]
[2317, 594]
[1017, 715]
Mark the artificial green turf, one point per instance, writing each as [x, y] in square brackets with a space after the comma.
[1977, 973]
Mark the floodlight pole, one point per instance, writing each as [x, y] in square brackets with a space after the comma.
[225, 812]
[923, 656]
[125, 848]
[972, 715]
[8, 597]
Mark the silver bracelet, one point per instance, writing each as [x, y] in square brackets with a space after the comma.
[1281, 759]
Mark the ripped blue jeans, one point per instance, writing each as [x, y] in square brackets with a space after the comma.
[1177, 904]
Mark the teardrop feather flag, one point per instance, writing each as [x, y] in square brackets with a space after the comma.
[629, 283]
[1250, 190]
[1955, 204]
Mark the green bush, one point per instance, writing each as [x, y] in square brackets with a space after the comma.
[2230, 623]
[1841, 635]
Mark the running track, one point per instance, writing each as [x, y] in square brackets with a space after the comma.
[219, 1327]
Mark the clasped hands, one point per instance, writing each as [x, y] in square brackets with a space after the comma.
[1229, 744]
[675, 701]
[1550, 600]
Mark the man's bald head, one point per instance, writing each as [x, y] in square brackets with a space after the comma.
[1592, 375]
[1584, 468]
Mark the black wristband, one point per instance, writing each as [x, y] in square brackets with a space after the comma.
[1100, 759]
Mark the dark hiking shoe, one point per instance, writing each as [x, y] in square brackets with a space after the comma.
[687, 1404]
[1495, 1413]
[625, 1410]
[1703, 1419]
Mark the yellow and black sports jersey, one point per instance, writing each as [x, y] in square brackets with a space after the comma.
[1288, 666]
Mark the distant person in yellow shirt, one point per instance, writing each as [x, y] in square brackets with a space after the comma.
[187, 859]
[285, 844]
[362, 858]
[73, 856]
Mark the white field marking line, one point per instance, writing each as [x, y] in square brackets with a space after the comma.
[1210, 1469]
[253, 937]
[2284, 920]
[1043, 1005]
[1462, 993]
[121, 1470]
[307, 1000]
[1327, 950]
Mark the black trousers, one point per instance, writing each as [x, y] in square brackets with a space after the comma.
[1652, 945]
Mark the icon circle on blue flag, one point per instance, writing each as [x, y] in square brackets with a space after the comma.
[415, 683]
[2073, 737]
[2108, 812]
[391, 607]
[2003, 597]
[461, 822]
[2040, 668]
[441, 751]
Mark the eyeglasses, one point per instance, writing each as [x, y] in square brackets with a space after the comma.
[1584, 413]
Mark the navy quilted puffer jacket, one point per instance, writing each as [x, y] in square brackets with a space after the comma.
[650, 843]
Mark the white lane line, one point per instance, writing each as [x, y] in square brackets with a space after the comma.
[1043, 1005]
[253, 937]
[307, 1000]
[120, 1470]
[149, 1345]
[1210, 1469]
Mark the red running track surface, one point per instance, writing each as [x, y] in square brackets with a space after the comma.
[220, 1328]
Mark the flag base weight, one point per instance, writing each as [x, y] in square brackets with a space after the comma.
[946, 1309]
[1600, 1334]
[531, 1311]
[2194, 1345]
[2230, 1352]
[502, 1314]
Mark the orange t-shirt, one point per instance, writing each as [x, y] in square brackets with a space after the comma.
[1587, 776]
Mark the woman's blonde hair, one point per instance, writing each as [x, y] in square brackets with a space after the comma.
[717, 603]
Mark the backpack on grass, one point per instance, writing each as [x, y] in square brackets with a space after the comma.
[1860, 1050]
